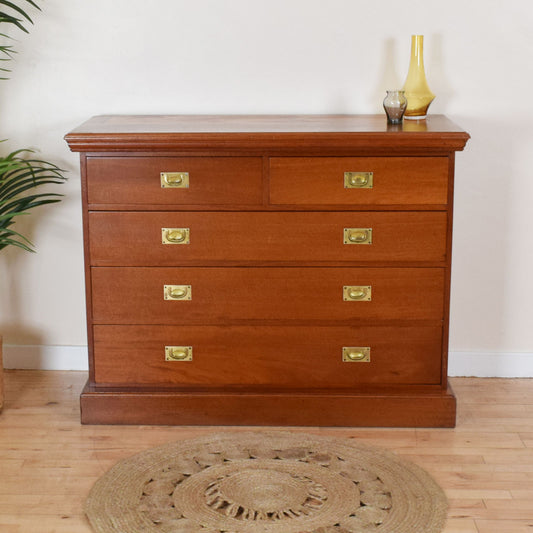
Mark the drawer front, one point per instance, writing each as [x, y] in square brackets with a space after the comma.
[136, 239]
[211, 180]
[267, 355]
[136, 295]
[395, 180]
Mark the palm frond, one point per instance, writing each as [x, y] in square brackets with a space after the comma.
[16, 8]
[11, 12]
[19, 177]
[5, 17]
[19, 240]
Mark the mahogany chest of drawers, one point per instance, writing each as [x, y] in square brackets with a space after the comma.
[267, 270]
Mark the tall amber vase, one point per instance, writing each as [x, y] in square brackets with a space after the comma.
[416, 88]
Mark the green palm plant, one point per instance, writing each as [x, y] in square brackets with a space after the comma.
[18, 179]
[20, 173]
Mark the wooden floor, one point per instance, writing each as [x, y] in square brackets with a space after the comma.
[48, 461]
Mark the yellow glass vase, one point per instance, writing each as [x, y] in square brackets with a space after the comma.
[416, 88]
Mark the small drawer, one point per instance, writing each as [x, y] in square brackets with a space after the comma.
[278, 356]
[137, 295]
[174, 180]
[168, 239]
[362, 181]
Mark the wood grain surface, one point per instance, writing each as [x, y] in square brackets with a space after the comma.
[137, 180]
[283, 133]
[259, 238]
[320, 180]
[274, 356]
[135, 295]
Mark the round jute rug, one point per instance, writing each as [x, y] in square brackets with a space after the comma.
[266, 482]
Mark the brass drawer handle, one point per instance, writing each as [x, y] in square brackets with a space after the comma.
[358, 180]
[356, 354]
[357, 293]
[178, 292]
[175, 180]
[178, 353]
[357, 235]
[175, 235]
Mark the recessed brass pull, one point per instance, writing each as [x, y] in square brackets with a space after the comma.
[357, 235]
[357, 293]
[358, 180]
[175, 235]
[175, 180]
[178, 292]
[356, 354]
[178, 353]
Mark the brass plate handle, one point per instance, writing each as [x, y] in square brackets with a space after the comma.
[356, 354]
[358, 180]
[178, 353]
[357, 235]
[175, 180]
[175, 235]
[357, 293]
[177, 292]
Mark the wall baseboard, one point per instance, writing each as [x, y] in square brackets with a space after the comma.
[476, 364]
[45, 357]
[491, 364]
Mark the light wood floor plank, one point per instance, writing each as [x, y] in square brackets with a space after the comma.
[504, 526]
[462, 525]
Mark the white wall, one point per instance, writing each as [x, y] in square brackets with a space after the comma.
[284, 56]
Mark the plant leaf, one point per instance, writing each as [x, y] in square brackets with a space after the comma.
[17, 9]
[16, 234]
[19, 178]
[5, 242]
[4, 17]
[33, 4]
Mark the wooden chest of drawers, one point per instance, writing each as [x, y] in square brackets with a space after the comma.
[271, 270]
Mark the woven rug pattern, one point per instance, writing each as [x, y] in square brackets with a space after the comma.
[266, 482]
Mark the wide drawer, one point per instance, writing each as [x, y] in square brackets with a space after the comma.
[142, 239]
[136, 295]
[276, 356]
[393, 181]
[209, 180]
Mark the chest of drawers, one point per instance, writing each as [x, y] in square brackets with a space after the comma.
[267, 270]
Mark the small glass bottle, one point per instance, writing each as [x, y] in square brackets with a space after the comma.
[395, 104]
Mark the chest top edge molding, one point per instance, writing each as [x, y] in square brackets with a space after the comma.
[337, 133]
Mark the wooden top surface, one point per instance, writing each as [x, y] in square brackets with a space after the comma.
[246, 132]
